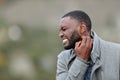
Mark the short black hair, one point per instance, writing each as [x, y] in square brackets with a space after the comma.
[81, 17]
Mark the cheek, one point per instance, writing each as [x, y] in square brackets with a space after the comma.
[75, 36]
[71, 32]
[68, 34]
[69, 37]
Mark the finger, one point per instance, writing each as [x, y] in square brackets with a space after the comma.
[84, 39]
[91, 43]
[83, 42]
[77, 44]
[88, 42]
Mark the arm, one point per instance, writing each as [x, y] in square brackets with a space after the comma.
[76, 71]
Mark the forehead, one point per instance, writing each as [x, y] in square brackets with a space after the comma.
[67, 21]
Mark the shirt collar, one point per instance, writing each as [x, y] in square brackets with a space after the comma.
[95, 54]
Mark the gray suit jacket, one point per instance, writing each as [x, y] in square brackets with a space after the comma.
[105, 56]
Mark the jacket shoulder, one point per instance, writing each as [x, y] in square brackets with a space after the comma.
[110, 49]
[65, 54]
[110, 45]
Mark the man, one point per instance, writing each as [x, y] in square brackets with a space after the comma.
[87, 57]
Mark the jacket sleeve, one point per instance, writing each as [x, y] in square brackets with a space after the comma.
[76, 71]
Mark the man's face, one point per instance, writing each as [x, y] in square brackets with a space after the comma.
[68, 32]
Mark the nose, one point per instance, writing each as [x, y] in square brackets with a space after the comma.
[61, 34]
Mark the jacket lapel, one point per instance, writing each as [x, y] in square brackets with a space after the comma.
[95, 70]
[95, 56]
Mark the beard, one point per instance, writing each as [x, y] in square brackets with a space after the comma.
[75, 37]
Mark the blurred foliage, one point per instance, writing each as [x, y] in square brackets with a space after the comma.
[37, 42]
[29, 52]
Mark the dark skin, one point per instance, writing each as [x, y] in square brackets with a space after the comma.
[70, 27]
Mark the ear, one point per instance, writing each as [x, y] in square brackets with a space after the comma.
[82, 29]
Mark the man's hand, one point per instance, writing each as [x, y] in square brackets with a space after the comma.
[83, 48]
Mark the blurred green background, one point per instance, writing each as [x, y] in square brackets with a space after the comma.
[29, 42]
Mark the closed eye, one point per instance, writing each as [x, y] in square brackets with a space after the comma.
[63, 28]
